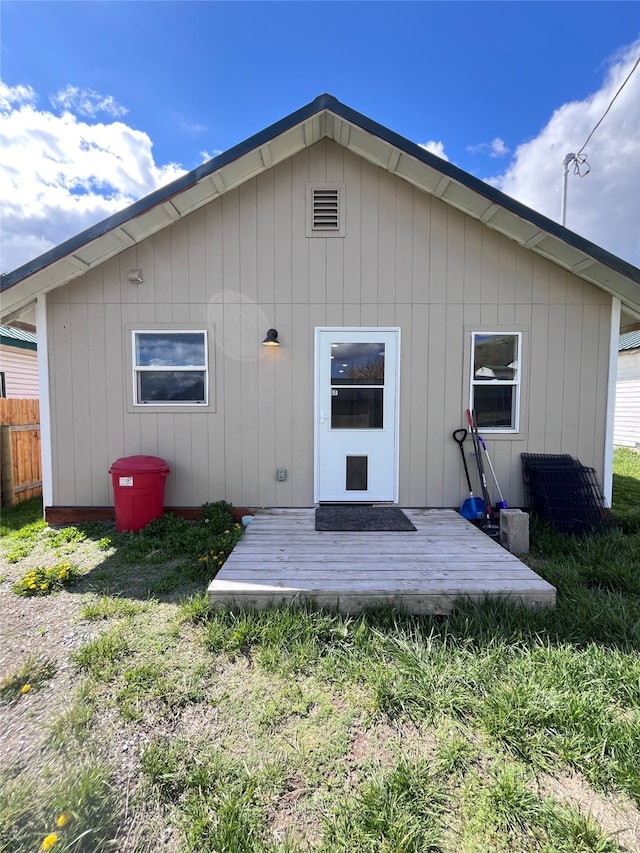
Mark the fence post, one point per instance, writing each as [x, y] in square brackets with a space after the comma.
[6, 467]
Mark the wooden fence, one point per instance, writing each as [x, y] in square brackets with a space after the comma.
[20, 466]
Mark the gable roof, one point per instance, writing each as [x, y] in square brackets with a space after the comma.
[18, 338]
[629, 340]
[324, 117]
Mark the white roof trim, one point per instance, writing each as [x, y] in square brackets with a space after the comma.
[374, 149]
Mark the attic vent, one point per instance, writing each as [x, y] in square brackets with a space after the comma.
[326, 209]
[325, 214]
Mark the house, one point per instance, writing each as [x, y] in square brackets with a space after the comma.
[401, 291]
[627, 414]
[18, 364]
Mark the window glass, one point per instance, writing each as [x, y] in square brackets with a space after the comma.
[170, 349]
[495, 380]
[357, 364]
[170, 368]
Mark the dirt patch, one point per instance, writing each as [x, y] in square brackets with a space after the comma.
[615, 814]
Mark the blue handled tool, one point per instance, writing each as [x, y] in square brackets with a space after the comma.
[501, 504]
[472, 508]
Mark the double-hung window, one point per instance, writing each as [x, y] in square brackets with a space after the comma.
[170, 368]
[495, 380]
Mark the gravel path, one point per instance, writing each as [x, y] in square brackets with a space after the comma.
[47, 629]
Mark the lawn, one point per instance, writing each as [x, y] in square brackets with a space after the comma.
[169, 727]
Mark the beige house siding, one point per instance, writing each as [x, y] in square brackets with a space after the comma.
[626, 431]
[243, 264]
[20, 367]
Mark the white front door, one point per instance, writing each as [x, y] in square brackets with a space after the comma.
[356, 414]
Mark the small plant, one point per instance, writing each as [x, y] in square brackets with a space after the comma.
[46, 579]
[32, 675]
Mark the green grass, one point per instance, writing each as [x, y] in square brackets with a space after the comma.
[31, 675]
[294, 729]
[626, 489]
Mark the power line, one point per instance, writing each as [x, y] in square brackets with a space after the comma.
[580, 163]
[608, 108]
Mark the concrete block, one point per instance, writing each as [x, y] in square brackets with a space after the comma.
[514, 530]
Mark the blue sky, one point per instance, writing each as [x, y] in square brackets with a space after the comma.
[103, 101]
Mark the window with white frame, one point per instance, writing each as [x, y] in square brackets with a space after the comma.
[170, 368]
[495, 380]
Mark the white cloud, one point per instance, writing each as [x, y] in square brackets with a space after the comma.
[436, 148]
[603, 206]
[59, 174]
[495, 148]
[13, 96]
[87, 102]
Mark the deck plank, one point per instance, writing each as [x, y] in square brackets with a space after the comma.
[282, 558]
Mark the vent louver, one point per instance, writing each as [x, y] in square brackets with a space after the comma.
[326, 209]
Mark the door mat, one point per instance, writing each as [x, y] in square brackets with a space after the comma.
[362, 518]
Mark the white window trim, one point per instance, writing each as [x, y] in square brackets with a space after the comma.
[170, 404]
[321, 232]
[516, 383]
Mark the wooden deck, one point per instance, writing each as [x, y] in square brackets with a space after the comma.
[283, 559]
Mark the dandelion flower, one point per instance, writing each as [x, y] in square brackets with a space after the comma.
[25, 688]
[33, 586]
[63, 819]
[49, 840]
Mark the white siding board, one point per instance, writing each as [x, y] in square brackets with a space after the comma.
[63, 444]
[196, 291]
[587, 367]
[555, 379]
[434, 438]
[352, 243]
[571, 373]
[81, 385]
[20, 367]
[248, 214]
[414, 401]
[368, 237]
[283, 228]
[302, 390]
[420, 247]
[213, 252]
[231, 246]
[627, 410]
[455, 257]
[404, 238]
[472, 261]
[162, 270]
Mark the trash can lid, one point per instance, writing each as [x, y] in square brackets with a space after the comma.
[139, 464]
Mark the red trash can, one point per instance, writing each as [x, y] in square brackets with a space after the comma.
[138, 490]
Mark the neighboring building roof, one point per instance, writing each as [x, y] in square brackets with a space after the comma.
[629, 340]
[18, 338]
[324, 117]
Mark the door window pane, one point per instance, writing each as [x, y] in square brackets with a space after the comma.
[357, 364]
[357, 408]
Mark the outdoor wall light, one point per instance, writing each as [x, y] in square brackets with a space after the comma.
[135, 276]
[272, 339]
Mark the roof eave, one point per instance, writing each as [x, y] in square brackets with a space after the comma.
[323, 117]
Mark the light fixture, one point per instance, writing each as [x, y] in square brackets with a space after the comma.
[272, 339]
[135, 276]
